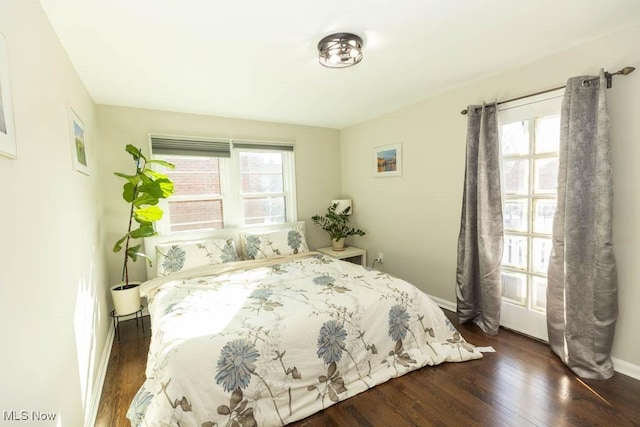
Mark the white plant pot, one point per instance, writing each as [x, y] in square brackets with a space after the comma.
[126, 301]
[338, 245]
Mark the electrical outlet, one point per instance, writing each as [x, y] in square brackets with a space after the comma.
[380, 258]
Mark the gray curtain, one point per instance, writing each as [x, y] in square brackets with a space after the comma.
[478, 275]
[582, 304]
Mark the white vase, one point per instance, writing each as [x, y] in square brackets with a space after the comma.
[338, 245]
[127, 300]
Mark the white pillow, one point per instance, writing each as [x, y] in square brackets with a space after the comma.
[178, 256]
[270, 244]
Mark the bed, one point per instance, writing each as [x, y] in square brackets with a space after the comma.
[279, 335]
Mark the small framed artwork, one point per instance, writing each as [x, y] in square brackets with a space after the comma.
[387, 160]
[78, 143]
[7, 134]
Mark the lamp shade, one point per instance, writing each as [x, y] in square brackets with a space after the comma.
[342, 205]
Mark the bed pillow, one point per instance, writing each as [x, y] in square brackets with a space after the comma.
[178, 256]
[288, 241]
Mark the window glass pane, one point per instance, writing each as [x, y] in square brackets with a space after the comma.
[516, 215]
[261, 172]
[515, 138]
[515, 251]
[264, 210]
[540, 251]
[539, 294]
[544, 210]
[194, 176]
[547, 134]
[516, 176]
[546, 175]
[514, 287]
[195, 215]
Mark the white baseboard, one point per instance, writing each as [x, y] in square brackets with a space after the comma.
[619, 365]
[92, 413]
[626, 368]
[447, 305]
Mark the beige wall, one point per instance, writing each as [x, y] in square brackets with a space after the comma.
[53, 306]
[414, 219]
[317, 152]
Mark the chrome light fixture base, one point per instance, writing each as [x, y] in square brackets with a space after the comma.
[340, 50]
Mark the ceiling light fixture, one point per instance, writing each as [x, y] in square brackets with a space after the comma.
[340, 50]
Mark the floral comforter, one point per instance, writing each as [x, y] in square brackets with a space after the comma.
[275, 343]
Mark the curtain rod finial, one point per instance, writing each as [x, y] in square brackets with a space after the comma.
[464, 112]
[627, 70]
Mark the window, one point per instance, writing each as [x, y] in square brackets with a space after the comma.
[197, 201]
[222, 183]
[262, 185]
[530, 138]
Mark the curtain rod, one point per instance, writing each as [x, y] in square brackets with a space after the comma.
[608, 76]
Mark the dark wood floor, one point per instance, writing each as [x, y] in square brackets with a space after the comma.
[522, 384]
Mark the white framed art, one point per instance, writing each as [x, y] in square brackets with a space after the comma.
[78, 137]
[387, 160]
[8, 146]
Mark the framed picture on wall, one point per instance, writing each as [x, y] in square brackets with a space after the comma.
[387, 160]
[7, 134]
[78, 143]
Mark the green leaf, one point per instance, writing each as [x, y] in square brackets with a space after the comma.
[133, 252]
[151, 187]
[145, 199]
[153, 174]
[145, 230]
[134, 151]
[167, 188]
[149, 214]
[124, 175]
[133, 179]
[163, 163]
[118, 246]
[145, 179]
[128, 191]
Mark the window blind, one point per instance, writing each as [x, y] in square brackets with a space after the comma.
[186, 146]
[252, 145]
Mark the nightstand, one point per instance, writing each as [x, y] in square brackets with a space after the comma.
[350, 253]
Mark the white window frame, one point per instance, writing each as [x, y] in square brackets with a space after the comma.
[231, 197]
[288, 181]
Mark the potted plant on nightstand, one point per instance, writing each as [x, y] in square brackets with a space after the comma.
[142, 191]
[336, 224]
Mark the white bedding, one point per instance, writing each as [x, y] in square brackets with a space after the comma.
[272, 341]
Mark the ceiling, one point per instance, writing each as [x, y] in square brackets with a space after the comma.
[257, 59]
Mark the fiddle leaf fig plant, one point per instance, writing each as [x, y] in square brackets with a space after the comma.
[143, 191]
[336, 224]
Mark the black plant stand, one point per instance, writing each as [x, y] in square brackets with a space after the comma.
[116, 320]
